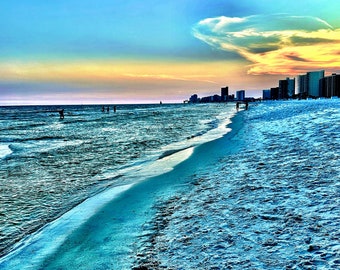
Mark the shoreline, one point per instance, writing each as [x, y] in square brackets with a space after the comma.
[266, 214]
[130, 211]
[146, 253]
[80, 159]
[165, 179]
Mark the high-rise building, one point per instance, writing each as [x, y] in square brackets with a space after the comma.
[274, 93]
[291, 87]
[240, 95]
[330, 86]
[283, 89]
[286, 88]
[224, 93]
[313, 79]
[302, 85]
[266, 94]
[309, 84]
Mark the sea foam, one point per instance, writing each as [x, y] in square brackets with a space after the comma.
[4, 150]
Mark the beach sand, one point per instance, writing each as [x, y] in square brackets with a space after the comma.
[272, 204]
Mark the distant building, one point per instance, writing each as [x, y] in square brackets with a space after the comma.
[249, 99]
[240, 95]
[274, 93]
[206, 99]
[330, 86]
[291, 87]
[309, 84]
[283, 89]
[266, 94]
[216, 98]
[225, 93]
[286, 88]
[313, 79]
[194, 99]
[302, 85]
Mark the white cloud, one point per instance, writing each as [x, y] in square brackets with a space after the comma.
[275, 44]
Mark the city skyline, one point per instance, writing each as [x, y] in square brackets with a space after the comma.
[73, 52]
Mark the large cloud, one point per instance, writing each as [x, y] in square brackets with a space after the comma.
[275, 44]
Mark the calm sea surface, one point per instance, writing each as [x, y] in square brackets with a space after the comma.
[48, 165]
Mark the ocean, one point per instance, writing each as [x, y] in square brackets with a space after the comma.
[171, 186]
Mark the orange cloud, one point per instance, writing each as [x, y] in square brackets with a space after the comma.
[275, 44]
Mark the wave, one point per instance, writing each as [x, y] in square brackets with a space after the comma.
[171, 152]
[4, 150]
[42, 144]
[43, 138]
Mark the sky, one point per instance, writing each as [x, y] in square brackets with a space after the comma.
[129, 51]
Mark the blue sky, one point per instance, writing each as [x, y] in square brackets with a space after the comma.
[143, 51]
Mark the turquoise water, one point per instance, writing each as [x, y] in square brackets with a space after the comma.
[49, 165]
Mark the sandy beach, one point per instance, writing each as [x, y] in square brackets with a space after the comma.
[271, 204]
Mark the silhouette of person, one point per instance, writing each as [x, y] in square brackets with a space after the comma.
[103, 109]
[237, 105]
[114, 108]
[61, 114]
[108, 109]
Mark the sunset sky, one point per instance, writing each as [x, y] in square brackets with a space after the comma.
[129, 51]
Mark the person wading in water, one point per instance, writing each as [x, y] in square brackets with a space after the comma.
[61, 113]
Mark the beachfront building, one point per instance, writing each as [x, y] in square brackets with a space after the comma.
[208, 99]
[313, 79]
[330, 86]
[283, 89]
[302, 85]
[225, 93]
[274, 93]
[240, 95]
[309, 84]
[286, 88]
[194, 99]
[291, 87]
[266, 94]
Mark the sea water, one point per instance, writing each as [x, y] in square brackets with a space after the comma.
[49, 165]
